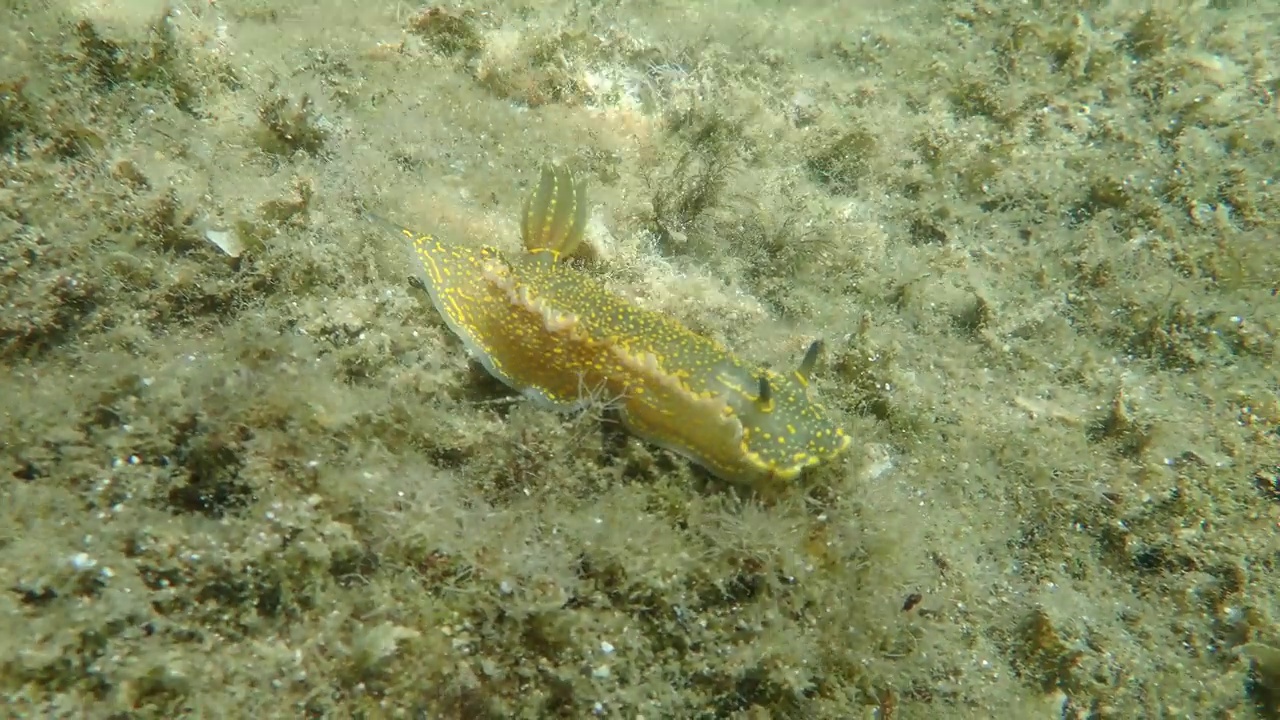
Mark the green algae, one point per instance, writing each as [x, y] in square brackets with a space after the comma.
[1040, 247]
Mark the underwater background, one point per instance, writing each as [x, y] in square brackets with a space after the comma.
[246, 470]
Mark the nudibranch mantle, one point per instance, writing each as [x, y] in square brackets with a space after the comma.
[551, 332]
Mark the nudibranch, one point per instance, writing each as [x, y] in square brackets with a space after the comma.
[550, 331]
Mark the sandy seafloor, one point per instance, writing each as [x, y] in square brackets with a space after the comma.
[245, 470]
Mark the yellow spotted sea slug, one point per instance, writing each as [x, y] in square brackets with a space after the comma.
[550, 331]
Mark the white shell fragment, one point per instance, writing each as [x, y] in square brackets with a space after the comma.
[226, 241]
